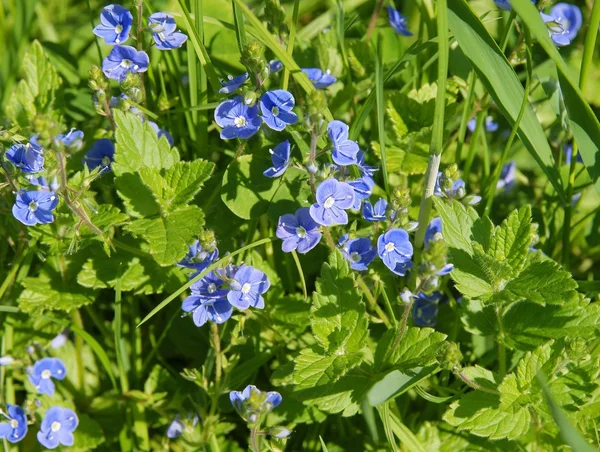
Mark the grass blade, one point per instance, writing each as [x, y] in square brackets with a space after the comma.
[301, 273]
[291, 41]
[501, 81]
[288, 62]
[201, 275]
[401, 431]
[238, 22]
[381, 112]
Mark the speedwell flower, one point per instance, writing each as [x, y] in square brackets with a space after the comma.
[374, 213]
[276, 107]
[164, 31]
[345, 151]
[508, 176]
[101, 154]
[247, 288]
[27, 157]
[42, 372]
[563, 23]
[124, 59]
[298, 232]
[359, 252]
[395, 249]
[365, 169]
[398, 22]
[275, 66]
[333, 198]
[115, 26]
[16, 428]
[425, 308]
[197, 258]
[319, 79]
[208, 301]
[252, 400]
[280, 156]
[433, 229]
[232, 83]
[35, 206]
[72, 140]
[363, 187]
[175, 428]
[161, 132]
[490, 124]
[237, 119]
[57, 427]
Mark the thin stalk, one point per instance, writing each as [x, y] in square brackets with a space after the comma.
[590, 44]
[507, 29]
[462, 130]
[301, 273]
[373, 302]
[373, 20]
[381, 112]
[491, 188]
[218, 366]
[479, 129]
[76, 316]
[388, 304]
[501, 346]
[437, 139]
[291, 41]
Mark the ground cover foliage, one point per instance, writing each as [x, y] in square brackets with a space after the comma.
[299, 225]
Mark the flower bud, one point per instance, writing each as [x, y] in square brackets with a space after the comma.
[431, 284]
[279, 432]
[449, 356]
[406, 295]
[253, 57]
[275, 15]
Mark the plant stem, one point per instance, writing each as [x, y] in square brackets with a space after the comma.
[462, 130]
[76, 316]
[437, 138]
[476, 386]
[501, 347]
[381, 113]
[373, 20]
[590, 44]
[217, 344]
[373, 302]
[291, 41]
[388, 304]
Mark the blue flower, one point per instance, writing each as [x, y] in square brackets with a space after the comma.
[124, 59]
[34, 206]
[568, 150]
[319, 79]
[359, 252]
[101, 154]
[59, 340]
[161, 132]
[175, 428]
[365, 169]
[208, 301]
[375, 213]
[27, 157]
[42, 372]
[57, 427]
[490, 124]
[433, 228]
[6, 360]
[505, 4]
[16, 428]
[345, 151]
[398, 22]
[508, 176]
[116, 24]
[233, 83]
[276, 107]
[298, 232]
[72, 140]
[425, 308]
[164, 31]
[333, 198]
[275, 66]
[457, 190]
[395, 249]
[243, 401]
[563, 23]
[363, 188]
[197, 259]
[247, 288]
[280, 156]
[237, 119]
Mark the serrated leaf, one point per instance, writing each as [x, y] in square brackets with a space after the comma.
[138, 146]
[479, 318]
[418, 347]
[178, 185]
[44, 292]
[470, 278]
[137, 197]
[313, 370]
[169, 237]
[457, 221]
[530, 365]
[338, 315]
[512, 238]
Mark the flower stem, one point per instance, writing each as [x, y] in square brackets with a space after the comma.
[373, 20]
[384, 318]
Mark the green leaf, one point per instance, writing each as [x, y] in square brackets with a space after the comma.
[396, 382]
[502, 83]
[457, 221]
[249, 194]
[88, 434]
[138, 146]
[312, 369]
[46, 292]
[584, 123]
[169, 237]
[338, 315]
[418, 347]
[512, 238]
[530, 365]
[178, 185]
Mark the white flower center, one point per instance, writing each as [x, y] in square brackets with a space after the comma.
[126, 63]
[55, 427]
[246, 288]
[212, 288]
[329, 202]
[33, 206]
[354, 256]
[46, 374]
[105, 161]
[389, 247]
[301, 232]
[240, 121]
[14, 423]
[118, 29]
[275, 111]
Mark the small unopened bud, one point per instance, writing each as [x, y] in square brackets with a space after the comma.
[406, 296]
[279, 432]
[449, 356]
[6, 360]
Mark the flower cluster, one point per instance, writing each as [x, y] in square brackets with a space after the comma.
[116, 22]
[58, 424]
[449, 185]
[216, 294]
[253, 405]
